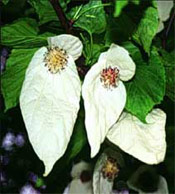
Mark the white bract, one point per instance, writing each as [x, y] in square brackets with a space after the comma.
[104, 93]
[50, 97]
[144, 141]
[164, 10]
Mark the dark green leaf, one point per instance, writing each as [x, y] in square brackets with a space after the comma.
[147, 87]
[134, 52]
[169, 63]
[92, 53]
[23, 33]
[5, 1]
[13, 77]
[119, 5]
[45, 10]
[115, 32]
[147, 29]
[90, 17]
[136, 2]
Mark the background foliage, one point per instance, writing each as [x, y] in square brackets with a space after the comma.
[26, 24]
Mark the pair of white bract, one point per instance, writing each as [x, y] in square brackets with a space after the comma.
[50, 102]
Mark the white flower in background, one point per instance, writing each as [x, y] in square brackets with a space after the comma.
[81, 179]
[104, 93]
[105, 171]
[154, 184]
[162, 187]
[164, 10]
[50, 97]
[144, 141]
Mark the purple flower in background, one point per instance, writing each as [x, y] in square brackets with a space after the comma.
[120, 192]
[28, 189]
[4, 55]
[8, 141]
[121, 188]
[33, 177]
[3, 177]
[19, 141]
[5, 159]
[43, 187]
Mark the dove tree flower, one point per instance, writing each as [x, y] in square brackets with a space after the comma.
[104, 93]
[50, 96]
[144, 141]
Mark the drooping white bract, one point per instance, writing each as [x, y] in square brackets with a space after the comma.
[164, 9]
[145, 142]
[50, 97]
[104, 93]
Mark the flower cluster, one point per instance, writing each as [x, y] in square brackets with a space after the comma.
[10, 140]
[50, 97]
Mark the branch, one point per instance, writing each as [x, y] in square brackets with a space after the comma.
[61, 16]
[67, 25]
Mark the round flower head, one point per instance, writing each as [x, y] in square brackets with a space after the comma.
[50, 97]
[19, 140]
[104, 93]
[8, 141]
[144, 141]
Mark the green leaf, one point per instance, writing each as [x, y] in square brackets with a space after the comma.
[39, 183]
[169, 63]
[147, 88]
[115, 32]
[45, 10]
[134, 52]
[136, 2]
[92, 53]
[23, 33]
[5, 1]
[13, 77]
[119, 5]
[90, 17]
[147, 29]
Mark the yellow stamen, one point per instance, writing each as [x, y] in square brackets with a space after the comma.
[55, 59]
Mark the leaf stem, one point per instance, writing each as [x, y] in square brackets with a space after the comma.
[170, 23]
[60, 13]
[167, 30]
[93, 7]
